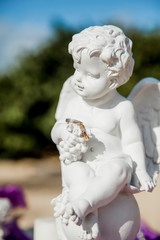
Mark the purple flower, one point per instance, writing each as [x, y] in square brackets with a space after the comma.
[13, 232]
[16, 197]
[148, 233]
[14, 194]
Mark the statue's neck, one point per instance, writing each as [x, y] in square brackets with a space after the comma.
[102, 100]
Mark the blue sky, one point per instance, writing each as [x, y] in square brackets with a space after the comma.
[24, 24]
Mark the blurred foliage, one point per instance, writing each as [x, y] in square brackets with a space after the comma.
[146, 53]
[29, 94]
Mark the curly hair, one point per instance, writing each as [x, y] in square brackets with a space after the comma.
[111, 45]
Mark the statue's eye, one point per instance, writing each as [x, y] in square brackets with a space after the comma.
[93, 75]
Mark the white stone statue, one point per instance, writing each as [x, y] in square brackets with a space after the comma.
[109, 145]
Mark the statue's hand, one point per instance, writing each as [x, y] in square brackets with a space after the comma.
[146, 182]
[73, 145]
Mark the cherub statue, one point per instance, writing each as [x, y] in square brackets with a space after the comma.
[109, 145]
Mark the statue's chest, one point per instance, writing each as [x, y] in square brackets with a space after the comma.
[104, 119]
[92, 117]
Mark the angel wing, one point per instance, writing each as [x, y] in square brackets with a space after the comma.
[67, 93]
[145, 97]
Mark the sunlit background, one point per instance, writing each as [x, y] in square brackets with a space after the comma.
[26, 24]
[34, 63]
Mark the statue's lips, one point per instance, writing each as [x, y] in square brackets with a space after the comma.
[79, 90]
[79, 86]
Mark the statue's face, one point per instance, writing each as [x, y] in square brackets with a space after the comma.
[90, 78]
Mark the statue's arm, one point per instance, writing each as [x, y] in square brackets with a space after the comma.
[131, 138]
[58, 131]
[133, 146]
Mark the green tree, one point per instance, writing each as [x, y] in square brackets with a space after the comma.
[29, 96]
[146, 52]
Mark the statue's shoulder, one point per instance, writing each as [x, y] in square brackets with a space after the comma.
[125, 106]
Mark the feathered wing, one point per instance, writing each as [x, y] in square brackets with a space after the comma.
[67, 93]
[145, 97]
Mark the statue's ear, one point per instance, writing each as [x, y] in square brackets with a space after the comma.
[113, 83]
